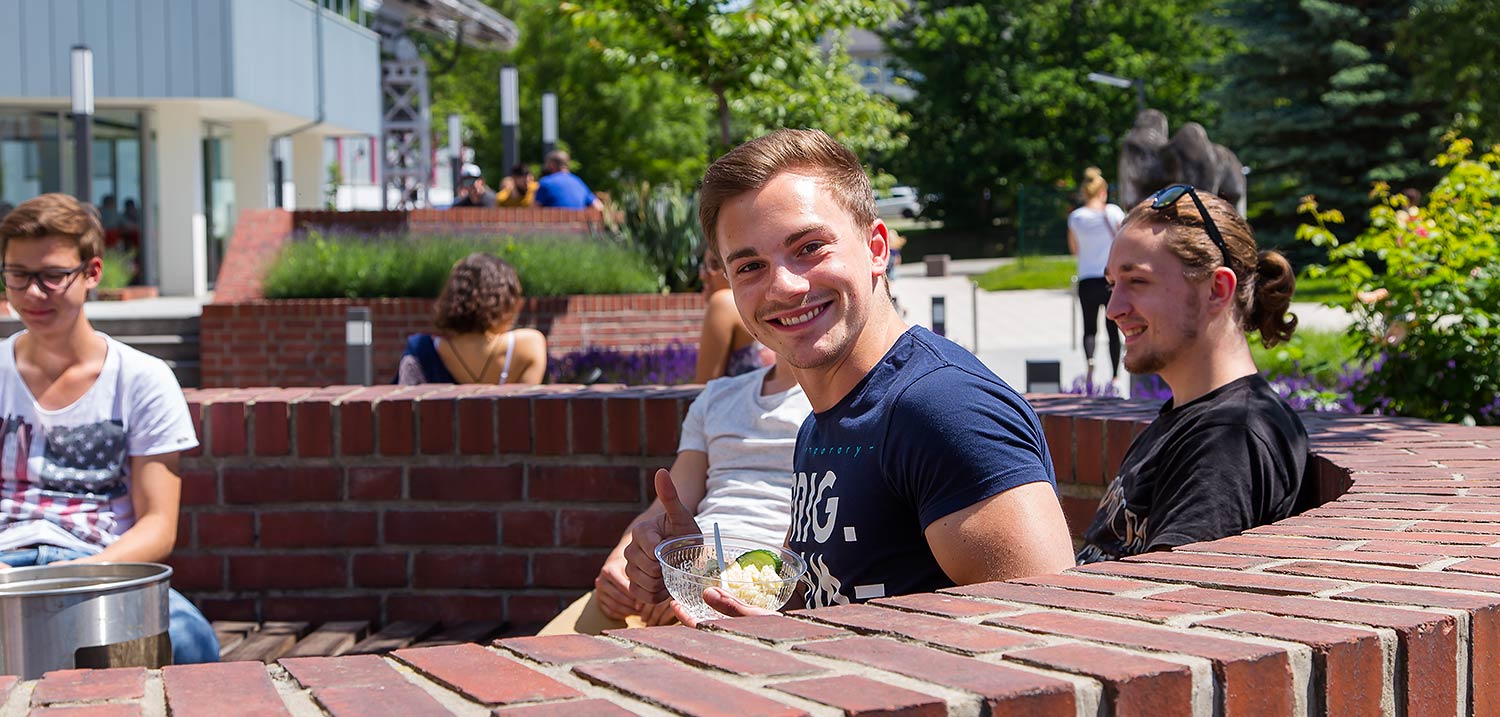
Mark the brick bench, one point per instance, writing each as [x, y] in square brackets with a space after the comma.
[1384, 599]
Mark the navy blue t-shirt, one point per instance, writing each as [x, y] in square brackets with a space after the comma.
[928, 432]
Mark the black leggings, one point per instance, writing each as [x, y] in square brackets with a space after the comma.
[1094, 295]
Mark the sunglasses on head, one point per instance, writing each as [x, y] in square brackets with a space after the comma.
[1168, 197]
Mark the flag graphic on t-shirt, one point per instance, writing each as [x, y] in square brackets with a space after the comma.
[85, 459]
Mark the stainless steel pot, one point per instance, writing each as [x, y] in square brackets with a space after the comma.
[58, 617]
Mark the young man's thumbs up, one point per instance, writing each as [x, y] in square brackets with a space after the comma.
[673, 520]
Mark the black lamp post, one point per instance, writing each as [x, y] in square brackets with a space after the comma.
[83, 122]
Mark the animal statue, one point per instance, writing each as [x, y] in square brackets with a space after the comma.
[1151, 159]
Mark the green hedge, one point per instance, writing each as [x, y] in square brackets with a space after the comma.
[358, 267]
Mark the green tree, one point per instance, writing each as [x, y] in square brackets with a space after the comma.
[622, 126]
[1318, 102]
[1451, 46]
[1003, 98]
[759, 60]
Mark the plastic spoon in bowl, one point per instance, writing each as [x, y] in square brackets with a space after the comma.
[719, 548]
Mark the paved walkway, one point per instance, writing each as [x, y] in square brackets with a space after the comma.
[1013, 327]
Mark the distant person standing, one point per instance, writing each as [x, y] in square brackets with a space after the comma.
[561, 188]
[1091, 232]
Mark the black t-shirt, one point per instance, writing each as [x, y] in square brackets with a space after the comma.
[1217, 466]
[928, 432]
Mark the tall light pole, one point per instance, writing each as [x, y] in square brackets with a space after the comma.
[83, 122]
[1104, 78]
[510, 115]
[549, 122]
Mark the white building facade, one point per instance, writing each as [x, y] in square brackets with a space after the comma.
[195, 100]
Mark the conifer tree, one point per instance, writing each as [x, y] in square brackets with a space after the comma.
[1316, 100]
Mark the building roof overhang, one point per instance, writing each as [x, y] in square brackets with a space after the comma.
[481, 25]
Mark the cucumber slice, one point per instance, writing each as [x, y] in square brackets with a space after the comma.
[759, 558]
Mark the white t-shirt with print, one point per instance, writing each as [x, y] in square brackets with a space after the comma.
[749, 439]
[65, 474]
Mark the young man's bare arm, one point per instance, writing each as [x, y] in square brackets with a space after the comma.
[156, 496]
[1013, 534]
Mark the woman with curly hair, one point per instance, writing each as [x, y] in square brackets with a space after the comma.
[475, 341]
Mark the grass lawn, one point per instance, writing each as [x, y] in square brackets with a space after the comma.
[1056, 272]
[1030, 272]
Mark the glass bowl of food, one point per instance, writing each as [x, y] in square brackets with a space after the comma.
[759, 574]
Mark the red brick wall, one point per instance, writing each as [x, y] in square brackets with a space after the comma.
[258, 236]
[458, 503]
[301, 342]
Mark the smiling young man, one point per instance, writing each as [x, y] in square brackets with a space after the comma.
[90, 429]
[1226, 453]
[919, 468]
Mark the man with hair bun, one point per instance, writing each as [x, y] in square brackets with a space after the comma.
[1226, 454]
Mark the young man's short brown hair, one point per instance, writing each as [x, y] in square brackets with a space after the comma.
[54, 215]
[753, 164]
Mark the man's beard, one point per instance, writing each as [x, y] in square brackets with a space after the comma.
[1155, 361]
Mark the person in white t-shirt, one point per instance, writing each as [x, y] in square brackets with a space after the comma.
[734, 463]
[1091, 232]
[90, 429]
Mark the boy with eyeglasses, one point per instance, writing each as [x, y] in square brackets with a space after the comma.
[1226, 453]
[90, 429]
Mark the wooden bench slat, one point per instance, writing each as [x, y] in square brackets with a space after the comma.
[296, 629]
[331, 640]
[262, 647]
[473, 631]
[240, 626]
[394, 637]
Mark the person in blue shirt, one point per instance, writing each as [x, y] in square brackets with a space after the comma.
[561, 188]
[919, 468]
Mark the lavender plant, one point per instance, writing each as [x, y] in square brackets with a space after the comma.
[671, 365]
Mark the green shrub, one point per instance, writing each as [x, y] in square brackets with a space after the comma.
[321, 267]
[1429, 326]
[662, 222]
[119, 268]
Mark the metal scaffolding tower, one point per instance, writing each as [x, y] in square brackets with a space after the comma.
[406, 123]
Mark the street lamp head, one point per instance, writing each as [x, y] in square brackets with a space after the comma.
[1105, 78]
[83, 80]
[549, 118]
[455, 136]
[510, 84]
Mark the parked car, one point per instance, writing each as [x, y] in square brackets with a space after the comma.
[898, 202]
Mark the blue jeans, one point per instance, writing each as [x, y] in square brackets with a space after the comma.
[193, 639]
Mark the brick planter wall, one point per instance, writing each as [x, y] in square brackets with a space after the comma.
[301, 342]
[259, 234]
[1385, 600]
